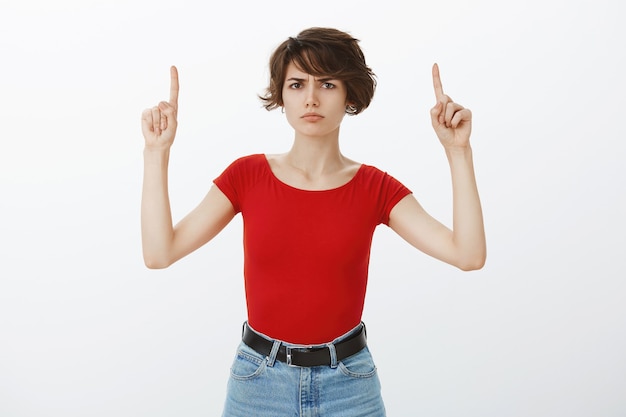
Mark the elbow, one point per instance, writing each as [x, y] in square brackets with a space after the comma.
[473, 264]
[155, 265]
[156, 262]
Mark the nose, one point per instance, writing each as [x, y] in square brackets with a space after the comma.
[311, 96]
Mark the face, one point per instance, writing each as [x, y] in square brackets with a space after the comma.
[314, 106]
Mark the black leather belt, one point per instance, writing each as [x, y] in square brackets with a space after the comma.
[306, 357]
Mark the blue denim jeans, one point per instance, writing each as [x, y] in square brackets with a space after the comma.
[261, 386]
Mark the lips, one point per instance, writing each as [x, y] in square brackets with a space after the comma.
[312, 117]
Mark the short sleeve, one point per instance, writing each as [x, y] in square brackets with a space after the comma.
[234, 180]
[392, 191]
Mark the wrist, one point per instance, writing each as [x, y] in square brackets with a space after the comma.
[453, 151]
[158, 156]
[155, 151]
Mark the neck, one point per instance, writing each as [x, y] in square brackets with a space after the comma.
[315, 155]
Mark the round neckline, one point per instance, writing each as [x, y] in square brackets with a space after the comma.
[278, 180]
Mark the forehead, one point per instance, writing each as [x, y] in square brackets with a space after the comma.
[293, 71]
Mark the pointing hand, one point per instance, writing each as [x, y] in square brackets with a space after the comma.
[451, 121]
[159, 123]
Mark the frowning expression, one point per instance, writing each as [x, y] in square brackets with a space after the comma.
[314, 105]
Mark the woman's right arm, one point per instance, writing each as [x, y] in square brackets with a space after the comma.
[163, 244]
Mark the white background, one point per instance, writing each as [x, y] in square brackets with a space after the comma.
[87, 330]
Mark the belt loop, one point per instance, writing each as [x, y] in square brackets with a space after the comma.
[272, 356]
[333, 355]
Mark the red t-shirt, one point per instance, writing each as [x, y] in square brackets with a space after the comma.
[306, 253]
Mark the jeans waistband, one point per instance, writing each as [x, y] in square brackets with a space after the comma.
[306, 356]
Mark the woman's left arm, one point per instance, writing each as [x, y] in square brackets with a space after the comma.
[464, 246]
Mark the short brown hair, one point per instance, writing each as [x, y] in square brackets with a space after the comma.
[323, 52]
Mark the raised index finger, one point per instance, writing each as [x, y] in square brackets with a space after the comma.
[437, 83]
[174, 86]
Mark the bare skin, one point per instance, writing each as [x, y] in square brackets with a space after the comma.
[464, 246]
[314, 107]
[164, 244]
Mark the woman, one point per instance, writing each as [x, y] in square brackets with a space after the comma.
[309, 216]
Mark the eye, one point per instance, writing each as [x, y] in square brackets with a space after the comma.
[295, 86]
[328, 85]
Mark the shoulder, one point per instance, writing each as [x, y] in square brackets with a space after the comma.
[248, 164]
[243, 168]
[249, 160]
[376, 178]
[240, 176]
[372, 173]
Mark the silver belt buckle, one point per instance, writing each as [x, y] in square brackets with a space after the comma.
[289, 357]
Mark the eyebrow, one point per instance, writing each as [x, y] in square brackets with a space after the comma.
[321, 80]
